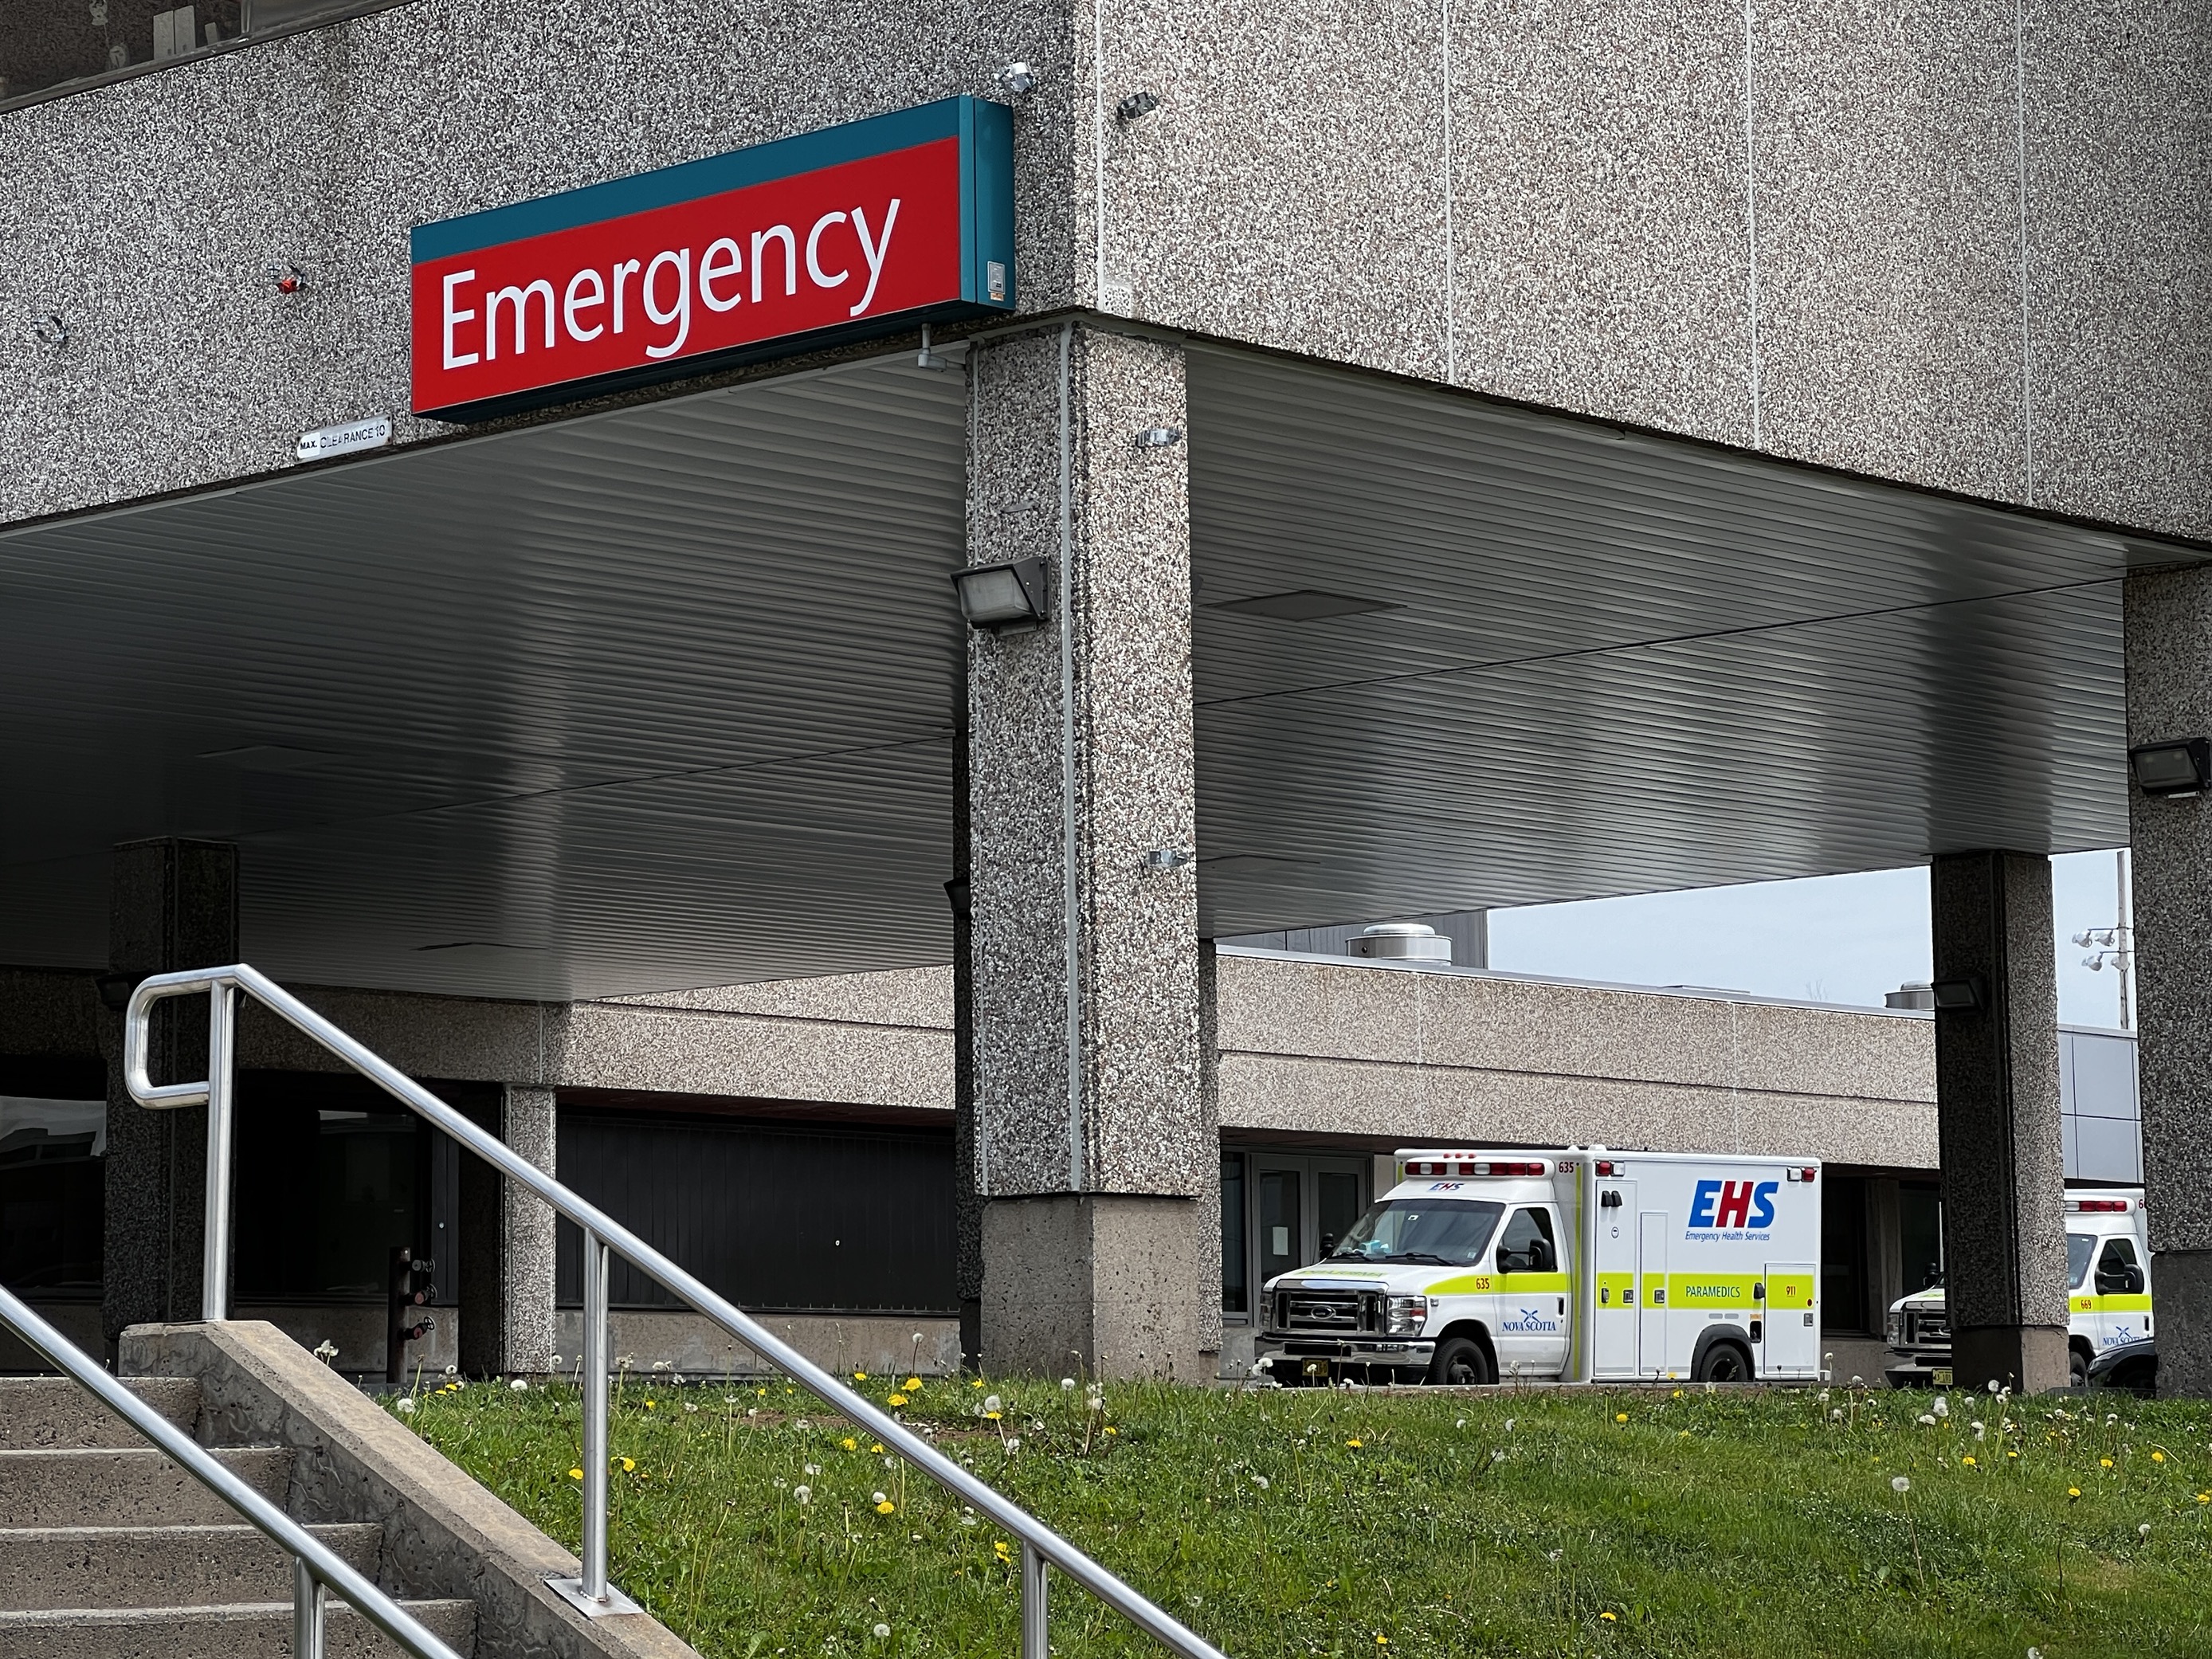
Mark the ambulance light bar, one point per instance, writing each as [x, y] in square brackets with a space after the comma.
[1801, 1175]
[1469, 1166]
[2099, 1206]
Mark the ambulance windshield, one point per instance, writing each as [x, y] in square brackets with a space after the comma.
[2080, 1247]
[1443, 1232]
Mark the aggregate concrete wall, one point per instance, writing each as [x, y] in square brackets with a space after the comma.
[1954, 242]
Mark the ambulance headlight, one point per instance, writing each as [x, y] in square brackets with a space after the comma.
[1405, 1315]
[1896, 1328]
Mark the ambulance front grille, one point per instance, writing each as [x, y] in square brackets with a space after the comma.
[1928, 1325]
[1337, 1312]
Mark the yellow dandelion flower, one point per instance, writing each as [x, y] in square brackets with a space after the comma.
[1968, 1461]
[2104, 1462]
[2012, 1454]
[2204, 1497]
[911, 1385]
[650, 1403]
[1608, 1618]
[859, 1376]
[877, 1447]
[2157, 1457]
[1110, 1429]
[629, 1466]
[1620, 1417]
[993, 1417]
[2073, 1492]
[1678, 1393]
[1381, 1640]
[850, 1443]
[575, 1474]
[897, 1399]
[977, 1384]
[1355, 1445]
[886, 1507]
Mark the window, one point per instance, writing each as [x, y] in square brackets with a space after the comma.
[49, 46]
[1235, 1281]
[1444, 1232]
[53, 1192]
[1527, 1245]
[2117, 1273]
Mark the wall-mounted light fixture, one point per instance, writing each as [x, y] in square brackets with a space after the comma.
[1002, 598]
[288, 278]
[1019, 80]
[49, 329]
[1135, 106]
[1958, 996]
[928, 359]
[2180, 767]
[1158, 437]
[1170, 858]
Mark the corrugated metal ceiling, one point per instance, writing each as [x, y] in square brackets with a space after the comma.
[664, 696]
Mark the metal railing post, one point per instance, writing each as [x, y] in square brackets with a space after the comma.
[595, 1418]
[222, 1035]
[306, 1612]
[1036, 1641]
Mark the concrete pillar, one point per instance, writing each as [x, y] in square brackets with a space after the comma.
[1997, 1091]
[967, 1195]
[172, 904]
[1092, 1142]
[2169, 658]
[506, 1267]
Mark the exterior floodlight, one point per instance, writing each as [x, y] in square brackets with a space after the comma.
[1158, 437]
[1958, 996]
[1002, 598]
[2171, 768]
[1019, 79]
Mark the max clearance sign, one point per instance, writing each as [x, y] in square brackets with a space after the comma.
[859, 229]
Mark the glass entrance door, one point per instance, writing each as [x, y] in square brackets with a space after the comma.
[1301, 1205]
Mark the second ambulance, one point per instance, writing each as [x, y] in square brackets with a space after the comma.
[1578, 1265]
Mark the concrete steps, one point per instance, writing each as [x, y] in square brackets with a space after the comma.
[112, 1551]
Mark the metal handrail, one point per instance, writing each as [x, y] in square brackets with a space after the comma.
[313, 1564]
[603, 1236]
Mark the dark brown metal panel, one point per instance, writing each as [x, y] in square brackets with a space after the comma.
[776, 1216]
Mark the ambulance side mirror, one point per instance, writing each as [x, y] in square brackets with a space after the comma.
[2135, 1280]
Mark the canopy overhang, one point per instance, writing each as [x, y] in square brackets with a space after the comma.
[667, 695]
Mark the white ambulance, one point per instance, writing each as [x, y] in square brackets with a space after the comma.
[2107, 1290]
[1582, 1265]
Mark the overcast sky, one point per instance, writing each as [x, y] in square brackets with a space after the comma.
[1834, 939]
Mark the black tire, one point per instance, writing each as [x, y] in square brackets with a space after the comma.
[1724, 1362]
[1461, 1360]
[2077, 1367]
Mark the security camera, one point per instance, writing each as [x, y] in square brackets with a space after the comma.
[1019, 79]
[1136, 105]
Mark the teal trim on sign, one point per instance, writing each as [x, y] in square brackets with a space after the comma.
[980, 125]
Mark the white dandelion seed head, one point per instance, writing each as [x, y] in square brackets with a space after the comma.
[1013, 1446]
[1942, 1405]
[1835, 1413]
[889, 1464]
[990, 1402]
[452, 1370]
[967, 1520]
[1260, 1481]
[803, 1494]
[883, 1633]
[880, 1499]
[1497, 1456]
[1898, 1483]
[1824, 1397]
[519, 1385]
[812, 1469]
[1980, 1432]
[1461, 1423]
[1553, 1555]
[1068, 1385]
[406, 1407]
[2143, 1531]
[1925, 1420]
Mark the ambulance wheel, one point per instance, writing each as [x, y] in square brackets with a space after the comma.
[2077, 1367]
[1724, 1362]
[1460, 1359]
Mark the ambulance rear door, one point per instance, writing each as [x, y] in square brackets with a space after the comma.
[1614, 1264]
[1792, 1331]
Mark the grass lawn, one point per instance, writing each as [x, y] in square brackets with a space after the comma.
[1296, 1521]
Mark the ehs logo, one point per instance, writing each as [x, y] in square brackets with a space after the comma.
[1723, 1204]
[1530, 1320]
